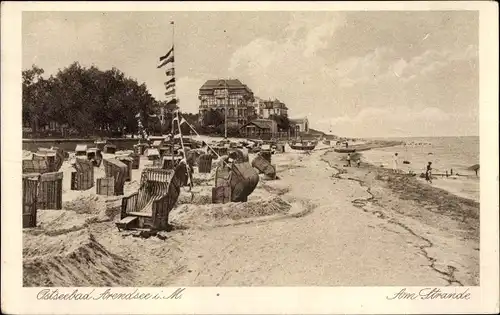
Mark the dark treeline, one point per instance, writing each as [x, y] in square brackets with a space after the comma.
[79, 101]
[88, 102]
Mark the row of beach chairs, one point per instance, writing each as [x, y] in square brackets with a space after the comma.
[159, 190]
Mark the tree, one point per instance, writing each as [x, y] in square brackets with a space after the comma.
[88, 100]
[30, 96]
[282, 121]
[213, 118]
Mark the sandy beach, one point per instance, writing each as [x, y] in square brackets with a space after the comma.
[319, 223]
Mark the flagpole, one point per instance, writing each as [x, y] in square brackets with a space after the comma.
[184, 152]
[173, 32]
[225, 112]
[173, 43]
[192, 128]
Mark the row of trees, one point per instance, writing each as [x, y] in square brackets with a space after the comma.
[87, 100]
[91, 102]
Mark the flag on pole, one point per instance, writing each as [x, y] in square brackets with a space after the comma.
[170, 92]
[170, 71]
[169, 85]
[167, 55]
[166, 61]
[171, 80]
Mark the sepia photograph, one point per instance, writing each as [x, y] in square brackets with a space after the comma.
[252, 149]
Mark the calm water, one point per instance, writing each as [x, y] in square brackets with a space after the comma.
[445, 153]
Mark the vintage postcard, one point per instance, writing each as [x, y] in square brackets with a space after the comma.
[250, 157]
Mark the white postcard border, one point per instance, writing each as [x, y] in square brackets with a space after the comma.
[237, 300]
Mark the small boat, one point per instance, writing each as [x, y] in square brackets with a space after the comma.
[344, 150]
[303, 145]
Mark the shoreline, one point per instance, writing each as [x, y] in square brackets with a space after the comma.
[463, 184]
[408, 180]
[323, 215]
[415, 209]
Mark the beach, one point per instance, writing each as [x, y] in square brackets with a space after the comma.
[447, 154]
[319, 223]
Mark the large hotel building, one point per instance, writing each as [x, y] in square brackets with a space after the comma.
[229, 94]
[244, 110]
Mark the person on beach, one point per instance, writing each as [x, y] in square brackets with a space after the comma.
[395, 163]
[349, 159]
[428, 174]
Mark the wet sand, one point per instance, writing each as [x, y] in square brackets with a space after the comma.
[318, 224]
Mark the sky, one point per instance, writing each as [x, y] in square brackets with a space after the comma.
[356, 73]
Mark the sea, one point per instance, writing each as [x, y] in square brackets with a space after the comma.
[445, 153]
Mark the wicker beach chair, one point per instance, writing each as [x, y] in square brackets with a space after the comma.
[150, 206]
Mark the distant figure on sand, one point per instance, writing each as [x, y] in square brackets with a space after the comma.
[359, 162]
[346, 144]
[349, 159]
[428, 173]
[395, 163]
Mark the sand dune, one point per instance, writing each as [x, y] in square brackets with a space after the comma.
[72, 259]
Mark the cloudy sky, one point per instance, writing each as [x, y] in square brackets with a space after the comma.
[352, 73]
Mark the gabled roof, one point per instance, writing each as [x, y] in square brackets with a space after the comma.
[232, 84]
